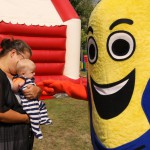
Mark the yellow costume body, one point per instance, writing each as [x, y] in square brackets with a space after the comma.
[119, 70]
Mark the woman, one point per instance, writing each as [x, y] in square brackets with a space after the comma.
[15, 130]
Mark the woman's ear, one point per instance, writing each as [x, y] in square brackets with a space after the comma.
[12, 52]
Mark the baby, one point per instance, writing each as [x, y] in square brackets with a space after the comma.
[35, 108]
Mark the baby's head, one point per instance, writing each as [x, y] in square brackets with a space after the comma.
[26, 68]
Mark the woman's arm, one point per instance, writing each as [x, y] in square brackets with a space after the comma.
[12, 116]
[7, 115]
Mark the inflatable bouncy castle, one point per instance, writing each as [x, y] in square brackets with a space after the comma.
[51, 28]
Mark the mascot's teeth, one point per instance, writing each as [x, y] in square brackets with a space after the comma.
[110, 90]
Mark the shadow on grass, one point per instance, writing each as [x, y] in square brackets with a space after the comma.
[70, 129]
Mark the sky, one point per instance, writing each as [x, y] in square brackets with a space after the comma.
[95, 1]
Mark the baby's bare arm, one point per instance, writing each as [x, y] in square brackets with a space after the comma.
[17, 84]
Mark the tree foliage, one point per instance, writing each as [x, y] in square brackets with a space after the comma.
[83, 9]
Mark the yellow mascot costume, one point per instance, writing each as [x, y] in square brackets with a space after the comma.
[118, 75]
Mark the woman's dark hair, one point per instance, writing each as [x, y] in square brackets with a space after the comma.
[20, 46]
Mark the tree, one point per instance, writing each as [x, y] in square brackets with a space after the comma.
[83, 9]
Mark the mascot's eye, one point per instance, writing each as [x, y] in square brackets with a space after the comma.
[120, 45]
[92, 50]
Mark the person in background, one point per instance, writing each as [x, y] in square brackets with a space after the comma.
[15, 129]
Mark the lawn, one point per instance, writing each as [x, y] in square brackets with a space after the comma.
[70, 129]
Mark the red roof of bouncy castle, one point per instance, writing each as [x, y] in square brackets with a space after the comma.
[65, 14]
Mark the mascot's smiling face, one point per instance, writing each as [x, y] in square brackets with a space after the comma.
[119, 69]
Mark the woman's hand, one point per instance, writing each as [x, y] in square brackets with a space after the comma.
[27, 119]
[32, 92]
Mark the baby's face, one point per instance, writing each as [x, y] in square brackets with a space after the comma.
[30, 72]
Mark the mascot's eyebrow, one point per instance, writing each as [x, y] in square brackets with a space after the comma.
[119, 21]
[90, 29]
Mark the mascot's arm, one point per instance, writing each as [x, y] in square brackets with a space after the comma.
[74, 90]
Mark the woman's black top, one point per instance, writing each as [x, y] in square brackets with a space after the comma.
[17, 136]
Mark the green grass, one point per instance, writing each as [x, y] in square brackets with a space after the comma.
[70, 129]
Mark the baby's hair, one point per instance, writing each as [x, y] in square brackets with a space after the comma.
[9, 44]
[24, 64]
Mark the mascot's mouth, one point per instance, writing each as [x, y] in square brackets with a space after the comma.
[112, 99]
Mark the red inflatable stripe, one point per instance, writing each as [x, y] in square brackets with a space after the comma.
[39, 78]
[49, 68]
[16, 29]
[56, 77]
[49, 56]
